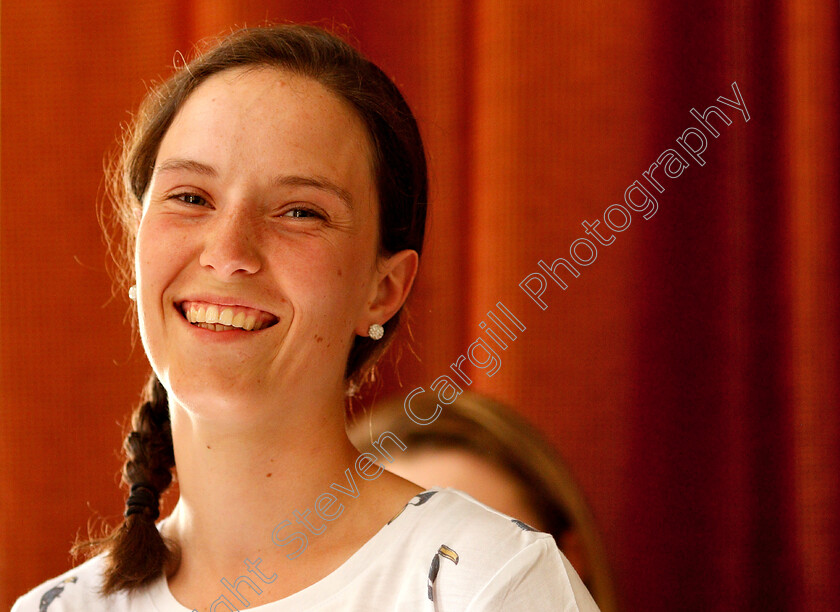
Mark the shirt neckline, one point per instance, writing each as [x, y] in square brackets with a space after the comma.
[319, 592]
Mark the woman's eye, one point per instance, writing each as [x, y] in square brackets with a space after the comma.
[191, 198]
[301, 213]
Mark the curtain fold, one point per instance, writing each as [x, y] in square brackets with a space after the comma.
[810, 136]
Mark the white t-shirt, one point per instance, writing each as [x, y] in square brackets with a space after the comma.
[445, 552]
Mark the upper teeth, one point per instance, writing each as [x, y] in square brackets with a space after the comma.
[229, 316]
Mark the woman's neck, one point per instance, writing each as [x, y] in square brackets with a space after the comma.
[245, 491]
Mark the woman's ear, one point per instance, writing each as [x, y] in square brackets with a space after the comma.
[395, 275]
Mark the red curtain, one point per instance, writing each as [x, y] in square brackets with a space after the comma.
[689, 374]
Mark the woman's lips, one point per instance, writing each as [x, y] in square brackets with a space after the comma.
[218, 317]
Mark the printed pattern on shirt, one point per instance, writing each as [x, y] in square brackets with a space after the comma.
[447, 553]
[54, 593]
[522, 526]
[422, 499]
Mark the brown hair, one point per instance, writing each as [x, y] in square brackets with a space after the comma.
[136, 552]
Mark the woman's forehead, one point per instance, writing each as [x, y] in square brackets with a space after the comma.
[262, 99]
[269, 119]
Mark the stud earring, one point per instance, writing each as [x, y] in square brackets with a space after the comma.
[376, 331]
[132, 293]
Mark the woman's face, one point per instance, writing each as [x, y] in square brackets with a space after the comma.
[257, 250]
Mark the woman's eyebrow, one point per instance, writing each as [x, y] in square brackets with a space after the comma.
[176, 164]
[318, 182]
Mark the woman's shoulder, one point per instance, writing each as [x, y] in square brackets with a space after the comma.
[453, 512]
[476, 558]
[76, 589]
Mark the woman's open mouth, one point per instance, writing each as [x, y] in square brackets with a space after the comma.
[215, 317]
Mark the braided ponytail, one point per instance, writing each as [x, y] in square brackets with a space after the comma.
[136, 552]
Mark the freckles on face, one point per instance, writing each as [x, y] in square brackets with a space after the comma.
[262, 197]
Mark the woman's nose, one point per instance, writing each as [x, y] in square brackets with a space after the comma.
[230, 247]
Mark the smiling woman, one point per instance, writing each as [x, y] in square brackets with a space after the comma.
[273, 196]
